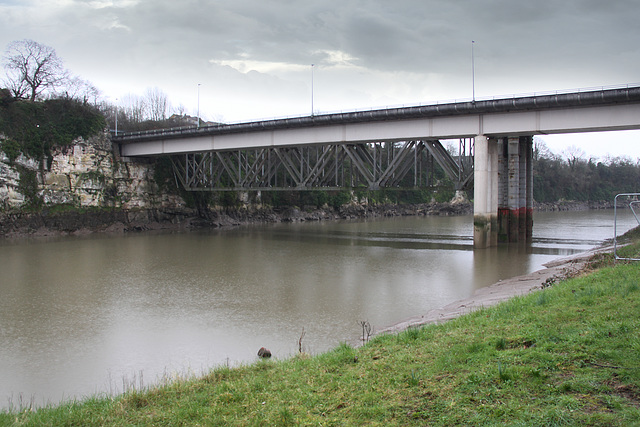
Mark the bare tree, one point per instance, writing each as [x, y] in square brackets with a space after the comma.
[16, 86]
[134, 107]
[574, 155]
[540, 149]
[157, 103]
[80, 90]
[32, 68]
[109, 111]
[180, 110]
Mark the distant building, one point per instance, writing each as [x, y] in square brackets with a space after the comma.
[187, 120]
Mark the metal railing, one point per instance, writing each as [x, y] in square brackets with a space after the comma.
[547, 99]
[634, 201]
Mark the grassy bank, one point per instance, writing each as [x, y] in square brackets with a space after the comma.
[567, 355]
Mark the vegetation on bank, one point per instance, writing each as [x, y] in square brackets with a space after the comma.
[578, 178]
[565, 355]
[34, 128]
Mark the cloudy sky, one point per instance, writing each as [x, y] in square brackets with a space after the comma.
[251, 59]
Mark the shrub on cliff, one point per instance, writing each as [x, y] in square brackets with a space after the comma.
[37, 127]
[5, 96]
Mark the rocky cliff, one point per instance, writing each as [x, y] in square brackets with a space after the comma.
[83, 186]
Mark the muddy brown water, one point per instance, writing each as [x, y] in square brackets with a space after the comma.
[97, 314]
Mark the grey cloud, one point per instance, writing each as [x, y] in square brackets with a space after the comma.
[390, 36]
[519, 44]
[368, 52]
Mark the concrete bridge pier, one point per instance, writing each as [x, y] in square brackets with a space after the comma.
[503, 190]
[485, 192]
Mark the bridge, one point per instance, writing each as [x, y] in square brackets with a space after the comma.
[396, 147]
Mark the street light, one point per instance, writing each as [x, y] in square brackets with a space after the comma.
[198, 105]
[473, 72]
[116, 116]
[312, 65]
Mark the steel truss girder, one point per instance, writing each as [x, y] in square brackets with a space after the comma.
[407, 164]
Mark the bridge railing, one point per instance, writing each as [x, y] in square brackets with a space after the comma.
[364, 114]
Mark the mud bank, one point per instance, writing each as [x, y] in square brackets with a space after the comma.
[50, 223]
[569, 205]
[54, 223]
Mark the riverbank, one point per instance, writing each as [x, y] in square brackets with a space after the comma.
[554, 271]
[51, 222]
[558, 270]
[564, 355]
[571, 205]
[60, 221]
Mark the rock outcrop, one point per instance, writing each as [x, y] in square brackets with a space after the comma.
[84, 187]
[84, 174]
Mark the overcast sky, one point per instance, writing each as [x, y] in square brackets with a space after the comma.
[252, 58]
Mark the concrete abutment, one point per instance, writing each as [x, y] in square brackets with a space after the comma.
[503, 190]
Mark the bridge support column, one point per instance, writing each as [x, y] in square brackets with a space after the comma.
[515, 209]
[485, 193]
[503, 194]
[528, 143]
[513, 188]
[503, 191]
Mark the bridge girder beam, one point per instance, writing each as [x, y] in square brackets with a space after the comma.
[375, 165]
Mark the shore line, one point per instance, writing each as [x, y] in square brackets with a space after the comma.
[75, 223]
[53, 223]
[503, 290]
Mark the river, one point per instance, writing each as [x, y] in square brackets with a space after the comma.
[97, 314]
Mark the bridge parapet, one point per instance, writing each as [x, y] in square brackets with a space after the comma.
[587, 98]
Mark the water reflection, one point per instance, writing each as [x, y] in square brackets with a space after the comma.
[78, 315]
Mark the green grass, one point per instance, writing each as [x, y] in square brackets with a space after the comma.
[568, 355]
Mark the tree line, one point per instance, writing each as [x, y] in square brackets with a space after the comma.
[574, 176]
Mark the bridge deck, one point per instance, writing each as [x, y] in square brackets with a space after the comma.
[597, 110]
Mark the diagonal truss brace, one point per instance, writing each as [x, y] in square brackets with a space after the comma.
[406, 164]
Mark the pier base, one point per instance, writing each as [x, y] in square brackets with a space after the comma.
[503, 190]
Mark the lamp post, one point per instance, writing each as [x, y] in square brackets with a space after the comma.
[473, 72]
[116, 116]
[312, 66]
[198, 105]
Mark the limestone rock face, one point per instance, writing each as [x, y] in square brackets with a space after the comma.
[9, 181]
[85, 174]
